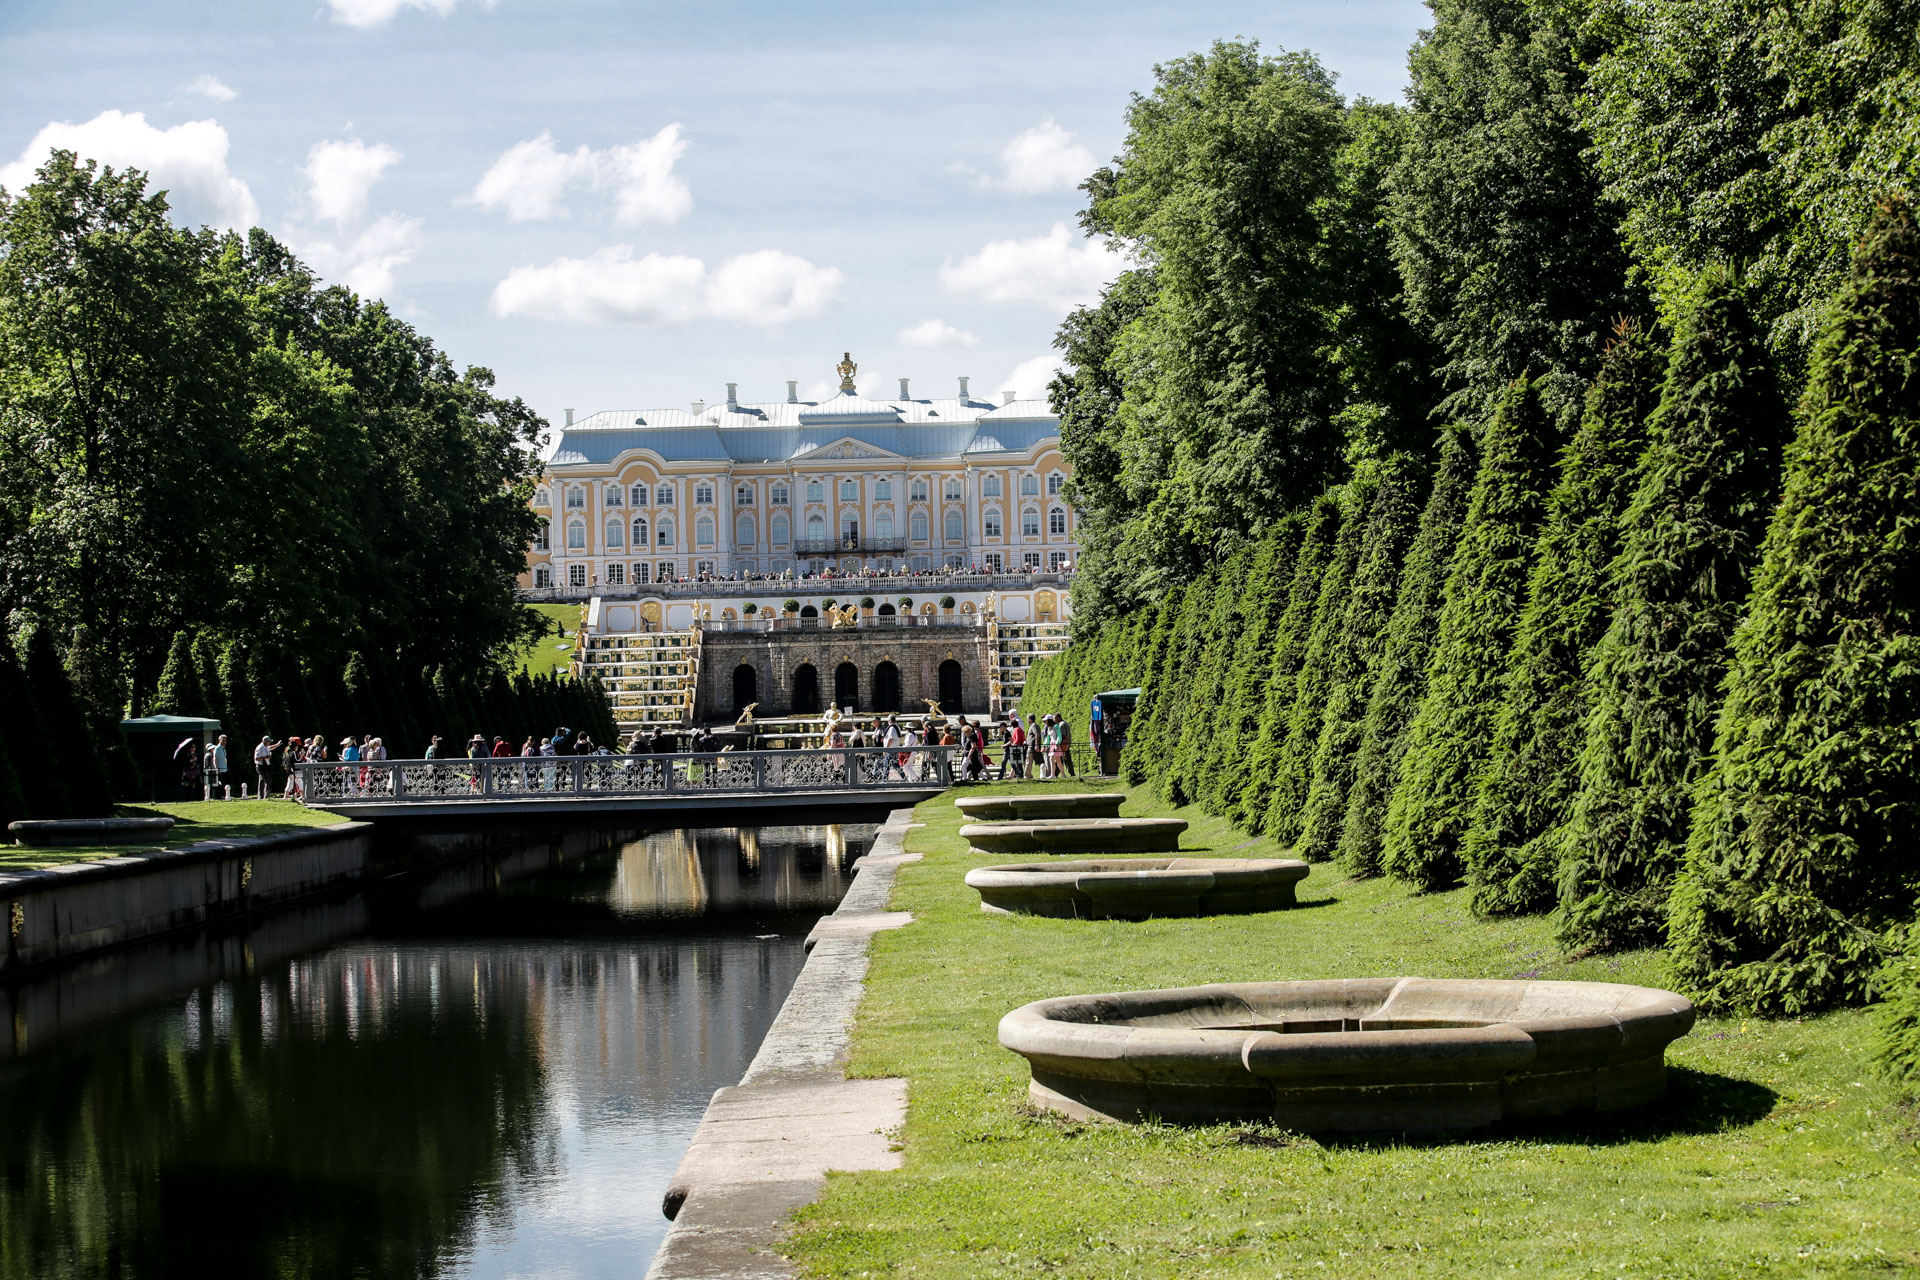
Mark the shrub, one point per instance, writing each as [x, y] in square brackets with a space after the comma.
[1702, 495]
[790, 606]
[946, 602]
[749, 608]
[1448, 742]
[866, 602]
[1800, 866]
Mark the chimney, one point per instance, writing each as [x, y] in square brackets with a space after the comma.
[793, 391]
[1006, 397]
[699, 407]
[569, 417]
[963, 388]
[903, 390]
[733, 395]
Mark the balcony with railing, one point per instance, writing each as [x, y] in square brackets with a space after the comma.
[913, 584]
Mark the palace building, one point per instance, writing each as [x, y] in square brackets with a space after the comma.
[635, 497]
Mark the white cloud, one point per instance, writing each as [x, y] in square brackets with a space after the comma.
[937, 333]
[530, 179]
[209, 87]
[1060, 270]
[1044, 158]
[367, 262]
[340, 176]
[1029, 378]
[188, 161]
[373, 13]
[613, 287]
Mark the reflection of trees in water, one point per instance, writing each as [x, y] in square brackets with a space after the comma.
[356, 1114]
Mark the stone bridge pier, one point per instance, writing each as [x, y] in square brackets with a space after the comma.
[883, 668]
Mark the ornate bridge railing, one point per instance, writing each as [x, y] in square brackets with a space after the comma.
[339, 784]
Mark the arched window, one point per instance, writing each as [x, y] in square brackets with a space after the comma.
[883, 524]
[917, 526]
[542, 576]
[918, 489]
[1057, 521]
[616, 532]
[1030, 523]
[540, 496]
[956, 529]
[849, 491]
[639, 531]
[816, 527]
[780, 528]
[703, 495]
[883, 491]
[1029, 486]
[663, 496]
[576, 535]
[638, 495]
[576, 498]
[615, 495]
[990, 486]
[849, 524]
[703, 531]
[743, 530]
[814, 492]
[1054, 483]
[666, 533]
[990, 523]
[952, 490]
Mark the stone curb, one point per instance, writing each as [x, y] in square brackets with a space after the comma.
[13, 884]
[765, 1145]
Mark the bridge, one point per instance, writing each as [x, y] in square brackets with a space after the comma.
[639, 784]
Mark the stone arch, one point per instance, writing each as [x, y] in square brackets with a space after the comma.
[952, 687]
[808, 611]
[884, 611]
[846, 686]
[806, 690]
[746, 686]
[886, 687]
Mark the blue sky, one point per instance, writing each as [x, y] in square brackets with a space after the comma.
[626, 205]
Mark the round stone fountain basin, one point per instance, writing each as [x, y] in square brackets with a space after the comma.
[1076, 835]
[1139, 888]
[62, 831]
[1364, 1055]
[1091, 804]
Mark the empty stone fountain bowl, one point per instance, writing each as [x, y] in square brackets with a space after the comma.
[1076, 835]
[1091, 804]
[1384, 1054]
[1139, 888]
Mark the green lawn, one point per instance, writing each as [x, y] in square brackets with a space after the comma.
[1776, 1152]
[193, 821]
[550, 652]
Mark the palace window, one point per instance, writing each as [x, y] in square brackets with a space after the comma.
[1031, 559]
[990, 486]
[780, 529]
[743, 496]
[703, 495]
[1057, 521]
[639, 531]
[1056, 560]
[640, 574]
[816, 527]
[814, 492]
[703, 531]
[1029, 523]
[849, 491]
[637, 495]
[616, 575]
[615, 496]
[917, 526]
[705, 566]
[743, 531]
[576, 498]
[616, 532]
[1055, 483]
[665, 534]
[1029, 486]
[849, 524]
[663, 496]
[883, 491]
[542, 576]
[778, 496]
[663, 571]
[540, 496]
[956, 528]
[952, 490]
[990, 523]
[883, 524]
[918, 489]
[576, 575]
[542, 540]
[576, 535]
[922, 564]
[992, 559]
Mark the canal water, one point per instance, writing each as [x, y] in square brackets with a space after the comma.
[490, 1072]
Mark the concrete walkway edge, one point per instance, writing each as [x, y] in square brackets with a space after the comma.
[765, 1145]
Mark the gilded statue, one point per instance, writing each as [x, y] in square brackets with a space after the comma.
[746, 715]
[846, 369]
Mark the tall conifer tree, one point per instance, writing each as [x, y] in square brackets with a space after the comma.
[1703, 493]
[1139, 761]
[1402, 676]
[178, 692]
[69, 744]
[1263, 600]
[1530, 779]
[1188, 763]
[1362, 640]
[1800, 865]
[1177, 694]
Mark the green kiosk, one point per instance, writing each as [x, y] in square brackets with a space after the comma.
[154, 742]
[1112, 713]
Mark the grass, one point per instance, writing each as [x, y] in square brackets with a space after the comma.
[550, 652]
[193, 821]
[1776, 1153]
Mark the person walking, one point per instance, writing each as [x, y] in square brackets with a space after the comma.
[1016, 744]
[290, 757]
[188, 754]
[209, 773]
[263, 763]
[1063, 743]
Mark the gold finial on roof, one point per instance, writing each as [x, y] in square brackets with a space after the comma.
[846, 369]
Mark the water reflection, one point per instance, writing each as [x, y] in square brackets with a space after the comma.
[432, 1097]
